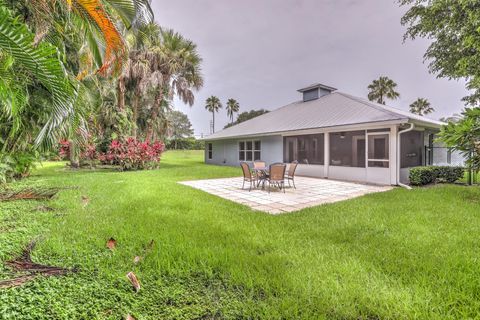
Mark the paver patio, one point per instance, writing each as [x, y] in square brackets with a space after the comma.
[310, 192]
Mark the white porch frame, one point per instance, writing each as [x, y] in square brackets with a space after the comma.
[390, 172]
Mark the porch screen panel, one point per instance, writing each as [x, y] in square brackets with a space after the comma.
[412, 149]
[348, 149]
[306, 149]
[378, 150]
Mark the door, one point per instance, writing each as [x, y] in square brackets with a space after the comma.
[378, 157]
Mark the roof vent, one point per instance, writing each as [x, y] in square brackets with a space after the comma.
[315, 91]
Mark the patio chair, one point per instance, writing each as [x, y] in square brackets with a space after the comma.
[248, 176]
[277, 176]
[290, 176]
[258, 164]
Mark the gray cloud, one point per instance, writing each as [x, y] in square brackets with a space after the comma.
[261, 52]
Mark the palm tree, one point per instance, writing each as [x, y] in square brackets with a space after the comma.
[95, 22]
[162, 64]
[421, 107]
[381, 89]
[213, 105]
[454, 118]
[232, 107]
[40, 62]
[177, 64]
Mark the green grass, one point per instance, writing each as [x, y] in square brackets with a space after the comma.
[399, 255]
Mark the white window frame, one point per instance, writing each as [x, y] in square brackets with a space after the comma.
[368, 134]
[245, 150]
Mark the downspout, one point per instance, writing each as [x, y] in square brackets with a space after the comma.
[399, 149]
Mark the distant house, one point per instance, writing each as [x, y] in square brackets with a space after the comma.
[333, 135]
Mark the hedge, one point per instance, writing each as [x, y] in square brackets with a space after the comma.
[185, 144]
[420, 176]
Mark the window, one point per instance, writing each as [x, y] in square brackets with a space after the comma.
[347, 149]
[308, 149]
[378, 150]
[249, 150]
[210, 151]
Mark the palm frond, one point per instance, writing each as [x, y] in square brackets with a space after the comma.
[134, 13]
[115, 49]
[43, 63]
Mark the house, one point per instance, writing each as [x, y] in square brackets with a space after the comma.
[332, 135]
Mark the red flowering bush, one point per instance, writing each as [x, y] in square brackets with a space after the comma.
[128, 154]
[89, 154]
[64, 149]
[132, 154]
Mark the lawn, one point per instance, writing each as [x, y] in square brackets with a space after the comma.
[399, 255]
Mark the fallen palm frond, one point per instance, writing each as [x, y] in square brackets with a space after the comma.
[28, 194]
[24, 263]
[44, 208]
[134, 281]
[16, 282]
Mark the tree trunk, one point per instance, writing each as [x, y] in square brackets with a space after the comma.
[74, 161]
[121, 94]
[136, 100]
[157, 104]
[213, 127]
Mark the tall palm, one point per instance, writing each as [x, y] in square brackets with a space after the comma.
[170, 67]
[177, 63]
[213, 105]
[421, 107]
[232, 107]
[135, 79]
[453, 118]
[381, 89]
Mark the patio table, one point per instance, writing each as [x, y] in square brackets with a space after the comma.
[262, 174]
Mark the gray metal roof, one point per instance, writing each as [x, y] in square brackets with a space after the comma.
[335, 109]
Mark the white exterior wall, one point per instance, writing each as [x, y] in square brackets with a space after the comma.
[226, 152]
[310, 170]
[348, 174]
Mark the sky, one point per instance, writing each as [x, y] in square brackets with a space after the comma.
[260, 52]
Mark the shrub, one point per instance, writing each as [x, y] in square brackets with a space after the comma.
[17, 165]
[185, 144]
[449, 174]
[64, 149]
[420, 176]
[132, 154]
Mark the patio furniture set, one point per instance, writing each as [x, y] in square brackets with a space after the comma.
[275, 175]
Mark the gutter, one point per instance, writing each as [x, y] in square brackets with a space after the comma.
[399, 149]
[344, 127]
